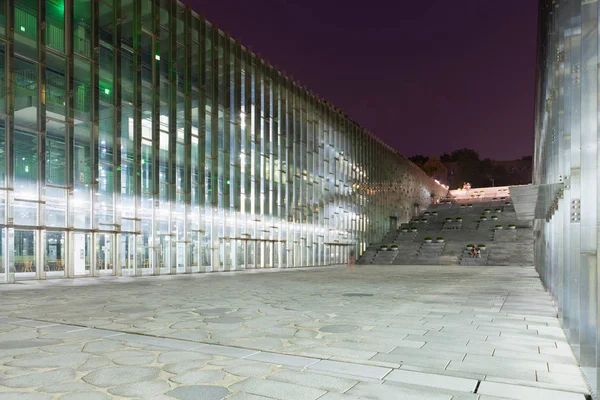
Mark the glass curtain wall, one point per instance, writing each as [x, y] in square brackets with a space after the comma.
[566, 151]
[137, 138]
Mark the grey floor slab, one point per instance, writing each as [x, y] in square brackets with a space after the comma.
[422, 332]
[525, 393]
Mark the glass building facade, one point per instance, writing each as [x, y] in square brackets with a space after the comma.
[567, 160]
[136, 138]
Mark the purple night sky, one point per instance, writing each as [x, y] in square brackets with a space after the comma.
[424, 76]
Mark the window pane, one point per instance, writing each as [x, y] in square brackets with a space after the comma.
[82, 22]
[55, 87]
[26, 93]
[82, 89]
[26, 159]
[55, 24]
[2, 77]
[55, 154]
[127, 143]
[2, 154]
[26, 22]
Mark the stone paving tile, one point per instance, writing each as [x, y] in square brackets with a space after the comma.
[282, 359]
[350, 369]
[579, 386]
[278, 390]
[386, 392]
[437, 381]
[327, 383]
[185, 339]
[525, 393]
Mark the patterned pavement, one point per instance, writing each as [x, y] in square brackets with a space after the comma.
[371, 332]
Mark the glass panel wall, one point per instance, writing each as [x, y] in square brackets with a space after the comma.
[165, 147]
[566, 156]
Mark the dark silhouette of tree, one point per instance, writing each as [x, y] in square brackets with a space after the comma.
[419, 159]
[464, 155]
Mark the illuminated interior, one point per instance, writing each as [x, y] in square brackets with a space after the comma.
[166, 147]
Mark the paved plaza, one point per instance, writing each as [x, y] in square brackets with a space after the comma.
[332, 333]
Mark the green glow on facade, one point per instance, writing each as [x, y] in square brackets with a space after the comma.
[163, 179]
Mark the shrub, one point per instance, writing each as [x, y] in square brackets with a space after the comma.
[511, 225]
[440, 238]
[481, 245]
[394, 247]
[483, 217]
[487, 209]
[428, 238]
[498, 226]
[448, 219]
[470, 245]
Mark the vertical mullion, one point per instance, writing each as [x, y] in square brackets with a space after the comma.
[155, 135]
[226, 161]
[137, 128]
[236, 110]
[41, 139]
[9, 259]
[187, 140]
[172, 152]
[117, 134]
[69, 131]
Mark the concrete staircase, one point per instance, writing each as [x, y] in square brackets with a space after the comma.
[459, 221]
[429, 253]
[468, 260]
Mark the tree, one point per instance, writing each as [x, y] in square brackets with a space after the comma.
[419, 159]
[464, 155]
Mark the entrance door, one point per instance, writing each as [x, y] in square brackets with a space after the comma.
[55, 254]
[82, 245]
[164, 254]
[105, 253]
[25, 254]
[268, 254]
[182, 261]
[393, 224]
[127, 256]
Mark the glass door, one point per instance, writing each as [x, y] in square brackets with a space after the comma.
[127, 254]
[104, 254]
[164, 254]
[55, 254]
[181, 257]
[82, 244]
[25, 254]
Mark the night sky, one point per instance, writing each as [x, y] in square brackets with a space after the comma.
[425, 76]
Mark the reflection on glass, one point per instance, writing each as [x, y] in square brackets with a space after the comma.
[25, 252]
[169, 147]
